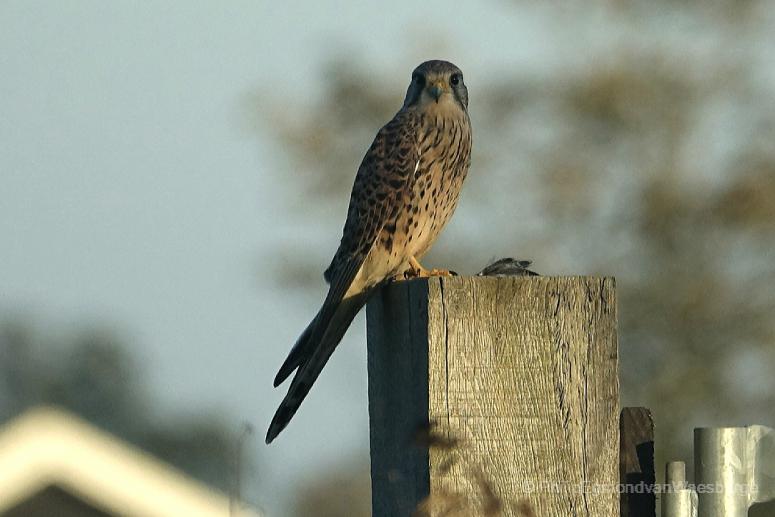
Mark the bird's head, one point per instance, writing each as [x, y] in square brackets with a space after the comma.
[437, 85]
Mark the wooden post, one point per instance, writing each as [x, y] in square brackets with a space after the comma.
[494, 396]
[636, 463]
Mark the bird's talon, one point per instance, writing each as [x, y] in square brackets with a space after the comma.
[411, 273]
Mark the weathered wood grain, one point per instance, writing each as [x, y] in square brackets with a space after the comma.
[518, 378]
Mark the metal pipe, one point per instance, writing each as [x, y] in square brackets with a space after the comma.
[720, 467]
[734, 467]
[678, 500]
[761, 443]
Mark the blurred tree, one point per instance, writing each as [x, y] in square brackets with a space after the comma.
[653, 161]
[346, 491]
[93, 376]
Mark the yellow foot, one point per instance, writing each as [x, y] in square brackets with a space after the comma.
[417, 271]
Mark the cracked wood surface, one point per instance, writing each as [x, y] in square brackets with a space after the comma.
[518, 380]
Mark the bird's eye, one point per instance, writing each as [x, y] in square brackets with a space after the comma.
[455, 79]
[418, 78]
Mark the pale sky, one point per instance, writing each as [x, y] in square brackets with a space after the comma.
[133, 196]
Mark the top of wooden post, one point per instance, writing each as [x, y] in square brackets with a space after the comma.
[513, 384]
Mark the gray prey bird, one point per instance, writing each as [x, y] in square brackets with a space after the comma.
[405, 191]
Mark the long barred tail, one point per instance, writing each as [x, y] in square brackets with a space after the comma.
[299, 352]
[310, 358]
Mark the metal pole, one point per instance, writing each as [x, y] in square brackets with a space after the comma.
[720, 469]
[734, 467]
[678, 500]
[761, 444]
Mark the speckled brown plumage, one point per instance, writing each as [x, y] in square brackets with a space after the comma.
[405, 191]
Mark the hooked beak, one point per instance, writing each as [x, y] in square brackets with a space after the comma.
[436, 90]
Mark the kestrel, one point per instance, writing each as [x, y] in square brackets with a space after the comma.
[405, 191]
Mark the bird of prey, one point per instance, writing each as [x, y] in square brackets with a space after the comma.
[405, 191]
